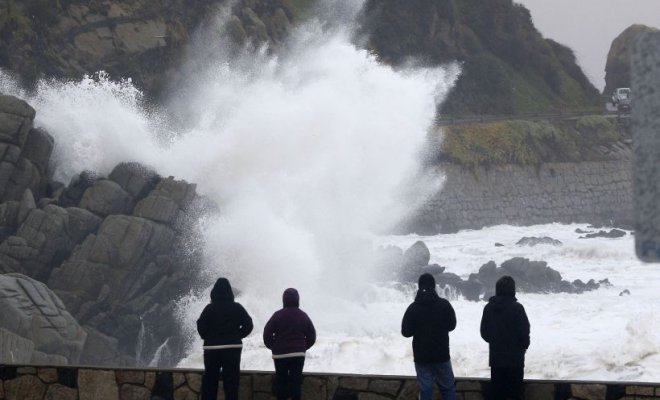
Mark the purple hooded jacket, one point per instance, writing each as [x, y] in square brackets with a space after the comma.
[289, 330]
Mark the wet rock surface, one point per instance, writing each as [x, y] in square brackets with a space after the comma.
[530, 276]
[114, 251]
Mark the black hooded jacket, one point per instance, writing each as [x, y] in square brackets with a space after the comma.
[223, 321]
[429, 319]
[504, 325]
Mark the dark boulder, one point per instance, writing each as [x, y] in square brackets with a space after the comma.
[417, 255]
[72, 194]
[611, 234]
[533, 241]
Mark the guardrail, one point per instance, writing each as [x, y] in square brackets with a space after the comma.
[470, 119]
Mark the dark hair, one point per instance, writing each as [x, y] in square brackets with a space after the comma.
[426, 281]
[505, 286]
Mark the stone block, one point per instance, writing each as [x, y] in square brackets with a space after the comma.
[354, 383]
[25, 387]
[640, 390]
[178, 379]
[134, 392]
[26, 371]
[135, 178]
[589, 391]
[314, 388]
[372, 396]
[390, 386]
[47, 375]
[184, 393]
[97, 385]
[149, 379]
[472, 396]
[467, 386]
[194, 380]
[61, 392]
[157, 208]
[130, 376]
[540, 391]
[410, 391]
[262, 383]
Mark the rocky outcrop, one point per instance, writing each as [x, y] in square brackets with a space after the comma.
[116, 251]
[496, 42]
[36, 327]
[143, 40]
[530, 276]
[533, 241]
[617, 69]
[24, 151]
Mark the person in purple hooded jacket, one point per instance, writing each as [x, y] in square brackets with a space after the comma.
[289, 333]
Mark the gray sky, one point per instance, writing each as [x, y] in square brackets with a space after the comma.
[589, 26]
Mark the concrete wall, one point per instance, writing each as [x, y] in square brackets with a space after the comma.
[84, 383]
[598, 192]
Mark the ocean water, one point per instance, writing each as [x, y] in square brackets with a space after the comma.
[308, 153]
[597, 335]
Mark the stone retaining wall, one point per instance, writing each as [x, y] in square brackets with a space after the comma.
[85, 383]
[598, 192]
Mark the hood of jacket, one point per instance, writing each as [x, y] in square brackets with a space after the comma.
[499, 303]
[222, 291]
[426, 296]
[291, 298]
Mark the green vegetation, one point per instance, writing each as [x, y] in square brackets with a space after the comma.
[526, 142]
[507, 66]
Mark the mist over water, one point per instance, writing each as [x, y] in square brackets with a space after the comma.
[308, 151]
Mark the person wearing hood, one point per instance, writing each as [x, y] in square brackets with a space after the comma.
[504, 325]
[429, 319]
[289, 333]
[222, 325]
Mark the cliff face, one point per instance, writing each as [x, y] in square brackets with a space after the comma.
[508, 67]
[140, 39]
[617, 70]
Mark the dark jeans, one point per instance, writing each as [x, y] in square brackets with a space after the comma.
[439, 373]
[507, 382]
[227, 360]
[288, 377]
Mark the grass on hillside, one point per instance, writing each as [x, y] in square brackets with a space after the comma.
[526, 142]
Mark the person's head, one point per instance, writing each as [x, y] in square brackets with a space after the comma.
[505, 286]
[426, 282]
[222, 291]
[290, 298]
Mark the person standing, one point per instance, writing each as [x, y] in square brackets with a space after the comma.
[504, 325]
[429, 319]
[289, 333]
[222, 325]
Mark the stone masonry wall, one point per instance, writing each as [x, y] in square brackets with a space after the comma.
[71, 383]
[597, 192]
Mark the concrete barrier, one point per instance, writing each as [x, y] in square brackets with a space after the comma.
[20, 382]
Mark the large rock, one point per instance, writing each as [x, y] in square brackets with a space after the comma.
[16, 118]
[32, 311]
[45, 239]
[617, 69]
[73, 193]
[417, 255]
[106, 197]
[167, 202]
[532, 241]
[135, 178]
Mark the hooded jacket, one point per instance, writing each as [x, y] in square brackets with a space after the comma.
[429, 319]
[223, 322]
[504, 325]
[289, 332]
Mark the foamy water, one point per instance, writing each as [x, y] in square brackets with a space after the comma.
[597, 335]
[309, 152]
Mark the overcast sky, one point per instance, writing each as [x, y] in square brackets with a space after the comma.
[589, 26]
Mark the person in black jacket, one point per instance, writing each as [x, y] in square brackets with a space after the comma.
[429, 319]
[222, 325]
[504, 325]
